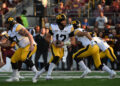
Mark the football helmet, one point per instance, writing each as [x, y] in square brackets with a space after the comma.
[60, 17]
[11, 21]
[76, 24]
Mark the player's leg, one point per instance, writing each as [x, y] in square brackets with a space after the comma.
[102, 55]
[25, 57]
[14, 62]
[98, 64]
[84, 52]
[110, 54]
[57, 54]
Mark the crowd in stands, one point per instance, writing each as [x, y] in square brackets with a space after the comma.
[5, 5]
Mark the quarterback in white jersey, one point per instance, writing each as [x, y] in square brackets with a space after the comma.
[107, 51]
[90, 49]
[26, 43]
[60, 34]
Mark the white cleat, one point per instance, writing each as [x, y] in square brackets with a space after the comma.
[21, 77]
[85, 73]
[11, 79]
[113, 74]
[49, 78]
[35, 78]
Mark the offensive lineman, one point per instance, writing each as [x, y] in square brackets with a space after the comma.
[61, 33]
[90, 49]
[26, 43]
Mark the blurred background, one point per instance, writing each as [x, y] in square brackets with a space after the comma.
[100, 16]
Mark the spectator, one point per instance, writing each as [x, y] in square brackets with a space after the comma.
[116, 6]
[101, 34]
[85, 24]
[60, 8]
[101, 20]
[97, 11]
[103, 3]
[24, 18]
[74, 9]
[42, 47]
[118, 19]
[19, 20]
[37, 30]
[117, 27]
[4, 8]
[108, 26]
[108, 11]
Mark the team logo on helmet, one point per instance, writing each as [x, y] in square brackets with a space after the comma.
[73, 22]
[10, 19]
[61, 17]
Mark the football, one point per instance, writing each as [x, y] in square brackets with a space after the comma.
[58, 42]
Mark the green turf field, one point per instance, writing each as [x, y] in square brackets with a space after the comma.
[63, 78]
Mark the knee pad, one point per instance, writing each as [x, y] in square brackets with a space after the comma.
[47, 66]
[100, 67]
[55, 59]
[14, 65]
[29, 62]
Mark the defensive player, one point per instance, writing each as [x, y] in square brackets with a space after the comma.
[60, 33]
[26, 43]
[90, 48]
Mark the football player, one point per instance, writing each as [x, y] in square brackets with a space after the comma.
[60, 33]
[26, 43]
[106, 50]
[8, 51]
[90, 48]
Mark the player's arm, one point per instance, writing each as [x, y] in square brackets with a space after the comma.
[25, 32]
[80, 34]
[5, 42]
[72, 38]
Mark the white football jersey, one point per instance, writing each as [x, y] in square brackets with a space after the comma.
[102, 44]
[83, 39]
[22, 41]
[61, 35]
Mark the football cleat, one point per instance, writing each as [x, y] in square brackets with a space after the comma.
[85, 73]
[113, 74]
[49, 78]
[11, 79]
[35, 78]
[21, 77]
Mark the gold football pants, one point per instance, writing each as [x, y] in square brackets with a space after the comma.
[108, 53]
[21, 54]
[59, 52]
[89, 51]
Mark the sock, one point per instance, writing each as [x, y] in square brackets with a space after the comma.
[51, 67]
[106, 68]
[34, 69]
[82, 65]
[15, 73]
[65, 54]
[41, 71]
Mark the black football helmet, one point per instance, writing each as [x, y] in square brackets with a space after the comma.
[76, 24]
[11, 21]
[60, 17]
